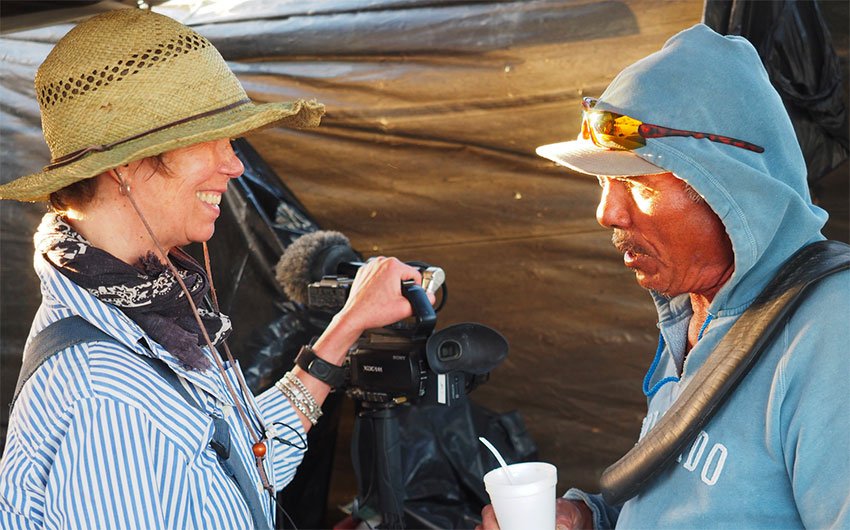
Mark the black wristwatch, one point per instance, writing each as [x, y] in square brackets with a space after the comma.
[319, 368]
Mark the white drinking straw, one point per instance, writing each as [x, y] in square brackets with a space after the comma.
[498, 456]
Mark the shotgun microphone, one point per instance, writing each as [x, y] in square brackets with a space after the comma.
[313, 256]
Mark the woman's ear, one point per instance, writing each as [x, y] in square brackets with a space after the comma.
[120, 175]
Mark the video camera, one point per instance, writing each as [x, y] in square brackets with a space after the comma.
[406, 362]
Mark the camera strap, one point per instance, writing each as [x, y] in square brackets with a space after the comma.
[74, 330]
[727, 365]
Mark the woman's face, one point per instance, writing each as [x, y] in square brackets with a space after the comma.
[180, 198]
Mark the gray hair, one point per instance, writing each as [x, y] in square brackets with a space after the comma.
[692, 193]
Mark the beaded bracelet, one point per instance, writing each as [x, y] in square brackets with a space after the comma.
[297, 401]
[302, 395]
[301, 398]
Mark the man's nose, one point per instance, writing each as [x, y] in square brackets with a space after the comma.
[613, 211]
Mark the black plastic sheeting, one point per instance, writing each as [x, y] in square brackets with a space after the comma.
[441, 464]
[442, 461]
[794, 43]
[426, 153]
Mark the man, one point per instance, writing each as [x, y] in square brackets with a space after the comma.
[704, 187]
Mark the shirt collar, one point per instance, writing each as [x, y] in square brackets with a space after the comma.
[59, 292]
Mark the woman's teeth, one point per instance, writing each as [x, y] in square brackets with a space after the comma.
[209, 198]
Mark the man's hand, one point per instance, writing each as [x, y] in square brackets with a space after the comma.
[569, 515]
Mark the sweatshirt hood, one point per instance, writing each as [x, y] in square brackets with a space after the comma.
[706, 82]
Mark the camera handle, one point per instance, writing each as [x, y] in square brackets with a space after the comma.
[423, 311]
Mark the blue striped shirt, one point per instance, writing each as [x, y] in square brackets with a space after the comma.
[97, 439]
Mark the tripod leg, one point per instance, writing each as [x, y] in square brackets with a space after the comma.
[388, 466]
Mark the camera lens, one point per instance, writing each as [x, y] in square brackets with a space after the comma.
[449, 350]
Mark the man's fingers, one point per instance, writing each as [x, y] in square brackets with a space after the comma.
[488, 518]
[572, 515]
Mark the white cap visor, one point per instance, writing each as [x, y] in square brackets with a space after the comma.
[585, 157]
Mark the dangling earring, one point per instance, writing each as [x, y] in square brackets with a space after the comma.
[123, 185]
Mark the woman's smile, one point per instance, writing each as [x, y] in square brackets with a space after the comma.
[209, 197]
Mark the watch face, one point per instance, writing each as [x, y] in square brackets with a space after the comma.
[319, 368]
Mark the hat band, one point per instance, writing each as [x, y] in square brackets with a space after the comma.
[76, 155]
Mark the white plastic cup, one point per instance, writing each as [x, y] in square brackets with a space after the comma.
[529, 502]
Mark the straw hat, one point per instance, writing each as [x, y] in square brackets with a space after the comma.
[130, 84]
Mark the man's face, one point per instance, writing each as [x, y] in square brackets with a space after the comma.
[673, 243]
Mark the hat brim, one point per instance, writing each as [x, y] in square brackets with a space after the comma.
[232, 123]
[584, 156]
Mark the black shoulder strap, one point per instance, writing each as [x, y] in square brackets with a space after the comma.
[727, 365]
[228, 460]
[76, 330]
[51, 340]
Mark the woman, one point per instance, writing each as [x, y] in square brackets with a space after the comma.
[131, 430]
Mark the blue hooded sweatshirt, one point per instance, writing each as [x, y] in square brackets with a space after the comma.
[777, 453]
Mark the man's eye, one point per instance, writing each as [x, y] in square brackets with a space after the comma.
[638, 190]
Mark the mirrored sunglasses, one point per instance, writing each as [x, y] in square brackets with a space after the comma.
[617, 131]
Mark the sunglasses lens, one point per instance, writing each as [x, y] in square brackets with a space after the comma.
[612, 131]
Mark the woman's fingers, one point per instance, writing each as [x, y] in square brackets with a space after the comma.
[375, 299]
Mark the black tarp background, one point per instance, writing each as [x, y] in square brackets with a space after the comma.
[795, 45]
[427, 152]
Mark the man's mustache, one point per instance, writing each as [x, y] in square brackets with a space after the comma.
[625, 243]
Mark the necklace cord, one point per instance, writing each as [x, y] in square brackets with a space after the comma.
[245, 392]
[125, 190]
[241, 378]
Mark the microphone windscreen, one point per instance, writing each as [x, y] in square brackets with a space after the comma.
[300, 264]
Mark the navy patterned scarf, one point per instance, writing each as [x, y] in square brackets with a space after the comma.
[147, 292]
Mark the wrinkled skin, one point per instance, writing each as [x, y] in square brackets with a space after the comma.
[673, 243]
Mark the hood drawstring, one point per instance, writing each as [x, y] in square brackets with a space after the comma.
[649, 392]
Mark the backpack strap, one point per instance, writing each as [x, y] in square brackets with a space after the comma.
[51, 340]
[74, 330]
[221, 441]
[728, 364]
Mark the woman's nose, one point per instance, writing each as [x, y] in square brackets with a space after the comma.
[231, 164]
[613, 208]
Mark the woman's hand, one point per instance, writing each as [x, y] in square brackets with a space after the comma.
[375, 299]
[569, 515]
